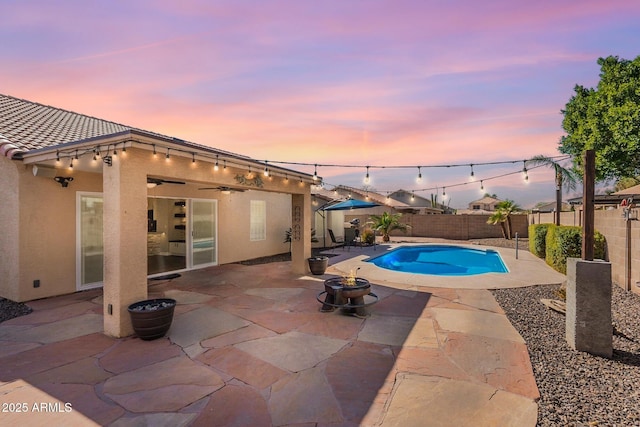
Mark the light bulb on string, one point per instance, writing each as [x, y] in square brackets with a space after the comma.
[215, 166]
[266, 169]
[315, 172]
[481, 186]
[472, 177]
[525, 173]
[367, 178]
[193, 157]
[154, 150]
[167, 157]
[115, 150]
[444, 193]
[419, 178]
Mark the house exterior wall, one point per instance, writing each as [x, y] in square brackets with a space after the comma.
[10, 228]
[47, 248]
[38, 230]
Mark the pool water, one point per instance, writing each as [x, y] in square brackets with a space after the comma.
[441, 260]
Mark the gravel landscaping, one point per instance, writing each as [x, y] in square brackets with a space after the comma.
[576, 388]
[10, 309]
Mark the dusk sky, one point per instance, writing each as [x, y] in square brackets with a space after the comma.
[354, 83]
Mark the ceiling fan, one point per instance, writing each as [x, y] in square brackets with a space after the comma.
[224, 189]
[152, 182]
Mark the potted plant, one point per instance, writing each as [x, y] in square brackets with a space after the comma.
[318, 264]
[386, 223]
[152, 318]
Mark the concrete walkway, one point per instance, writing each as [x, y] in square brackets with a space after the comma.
[249, 347]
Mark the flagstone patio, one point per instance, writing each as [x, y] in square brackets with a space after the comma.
[249, 346]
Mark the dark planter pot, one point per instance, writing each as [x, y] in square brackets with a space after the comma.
[318, 265]
[152, 318]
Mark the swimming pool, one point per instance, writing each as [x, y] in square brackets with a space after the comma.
[441, 260]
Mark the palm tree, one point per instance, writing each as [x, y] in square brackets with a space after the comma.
[386, 223]
[499, 217]
[564, 177]
[508, 207]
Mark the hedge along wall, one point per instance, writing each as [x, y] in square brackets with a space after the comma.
[538, 239]
[564, 242]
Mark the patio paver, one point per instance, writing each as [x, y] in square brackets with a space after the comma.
[249, 346]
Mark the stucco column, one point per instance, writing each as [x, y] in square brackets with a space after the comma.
[125, 240]
[300, 232]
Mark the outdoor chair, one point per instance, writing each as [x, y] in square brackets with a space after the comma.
[336, 242]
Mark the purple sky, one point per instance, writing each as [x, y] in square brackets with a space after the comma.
[380, 83]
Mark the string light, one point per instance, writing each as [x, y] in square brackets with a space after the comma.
[97, 153]
[444, 192]
[419, 178]
[413, 196]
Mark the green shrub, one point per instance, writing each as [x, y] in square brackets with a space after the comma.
[368, 237]
[564, 242]
[538, 239]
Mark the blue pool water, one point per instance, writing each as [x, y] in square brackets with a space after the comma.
[441, 260]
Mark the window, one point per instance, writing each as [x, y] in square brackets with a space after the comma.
[258, 220]
[476, 207]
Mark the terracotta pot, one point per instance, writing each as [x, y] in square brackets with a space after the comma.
[318, 265]
[152, 318]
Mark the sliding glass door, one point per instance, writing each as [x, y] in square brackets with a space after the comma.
[89, 244]
[203, 232]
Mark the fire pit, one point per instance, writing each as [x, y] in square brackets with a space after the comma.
[348, 294]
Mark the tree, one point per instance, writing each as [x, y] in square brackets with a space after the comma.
[607, 120]
[628, 182]
[507, 208]
[567, 178]
[499, 218]
[386, 223]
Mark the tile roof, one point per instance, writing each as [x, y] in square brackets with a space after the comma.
[26, 126]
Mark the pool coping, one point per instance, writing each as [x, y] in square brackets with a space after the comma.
[525, 270]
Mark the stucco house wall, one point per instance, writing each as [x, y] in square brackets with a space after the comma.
[9, 229]
[38, 231]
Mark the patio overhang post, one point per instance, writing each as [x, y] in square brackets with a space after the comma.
[125, 240]
[300, 232]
